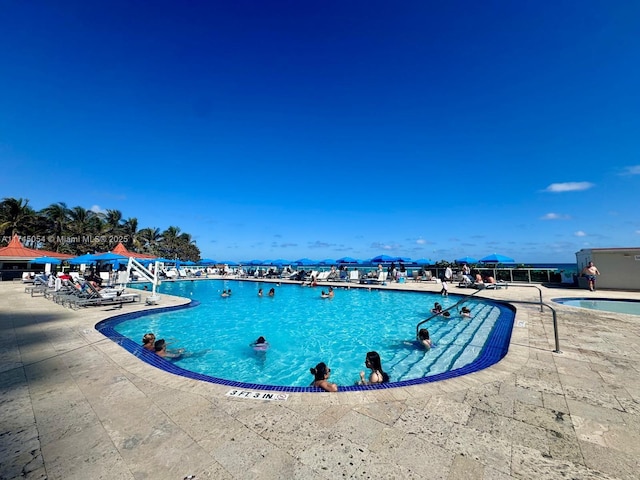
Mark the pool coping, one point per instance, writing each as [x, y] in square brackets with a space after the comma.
[494, 351]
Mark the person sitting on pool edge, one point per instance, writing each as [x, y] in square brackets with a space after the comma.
[148, 342]
[423, 338]
[320, 375]
[161, 349]
[372, 362]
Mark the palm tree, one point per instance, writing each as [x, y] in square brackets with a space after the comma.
[86, 225]
[149, 238]
[130, 230]
[15, 216]
[57, 216]
[169, 243]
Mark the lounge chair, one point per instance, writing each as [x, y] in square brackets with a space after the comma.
[323, 276]
[107, 296]
[496, 285]
[381, 279]
[354, 276]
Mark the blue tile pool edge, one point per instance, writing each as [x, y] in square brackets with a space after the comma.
[493, 351]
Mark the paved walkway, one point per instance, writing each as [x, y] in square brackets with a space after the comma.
[76, 406]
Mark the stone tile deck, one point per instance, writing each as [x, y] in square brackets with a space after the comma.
[76, 406]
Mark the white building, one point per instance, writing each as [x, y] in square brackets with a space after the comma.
[619, 267]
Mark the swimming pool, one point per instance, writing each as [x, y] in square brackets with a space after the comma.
[304, 329]
[631, 307]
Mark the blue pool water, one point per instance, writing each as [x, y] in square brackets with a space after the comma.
[304, 329]
[631, 307]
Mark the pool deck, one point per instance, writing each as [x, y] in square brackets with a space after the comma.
[74, 405]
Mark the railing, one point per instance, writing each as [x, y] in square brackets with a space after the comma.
[460, 302]
[540, 302]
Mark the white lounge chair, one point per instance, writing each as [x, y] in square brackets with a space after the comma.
[354, 276]
[322, 276]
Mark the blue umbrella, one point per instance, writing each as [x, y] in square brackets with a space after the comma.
[423, 261]
[43, 260]
[467, 260]
[326, 261]
[230, 263]
[207, 261]
[304, 262]
[383, 259]
[255, 262]
[189, 263]
[108, 257]
[165, 260]
[347, 260]
[495, 258]
[280, 262]
[403, 259]
[86, 258]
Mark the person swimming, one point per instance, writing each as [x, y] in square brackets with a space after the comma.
[372, 362]
[161, 349]
[424, 339]
[465, 312]
[320, 376]
[437, 308]
[260, 345]
[148, 342]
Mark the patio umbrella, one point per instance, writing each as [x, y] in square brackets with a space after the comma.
[207, 261]
[108, 257]
[189, 263]
[347, 260]
[423, 261]
[43, 260]
[495, 258]
[383, 259]
[467, 260]
[304, 262]
[326, 261]
[230, 263]
[403, 259]
[255, 262]
[87, 258]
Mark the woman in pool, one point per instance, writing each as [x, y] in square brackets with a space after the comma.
[148, 342]
[161, 349]
[373, 363]
[320, 376]
[465, 312]
[225, 294]
[272, 292]
[423, 338]
[259, 292]
[328, 294]
[437, 308]
[260, 345]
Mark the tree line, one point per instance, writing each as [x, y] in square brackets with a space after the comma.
[77, 231]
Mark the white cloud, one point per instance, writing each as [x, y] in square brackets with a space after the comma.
[568, 187]
[633, 170]
[97, 209]
[421, 241]
[555, 216]
[580, 233]
[638, 232]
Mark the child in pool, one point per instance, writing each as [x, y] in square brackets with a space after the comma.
[423, 338]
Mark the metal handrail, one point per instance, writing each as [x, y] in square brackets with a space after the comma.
[541, 303]
[464, 299]
[555, 319]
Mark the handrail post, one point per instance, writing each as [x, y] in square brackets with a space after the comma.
[555, 331]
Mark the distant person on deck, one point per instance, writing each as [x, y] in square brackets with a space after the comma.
[590, 272]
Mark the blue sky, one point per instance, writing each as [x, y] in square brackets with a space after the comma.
[329, 129]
